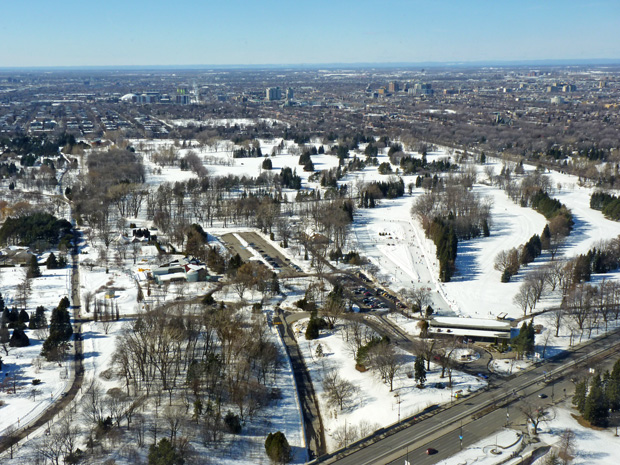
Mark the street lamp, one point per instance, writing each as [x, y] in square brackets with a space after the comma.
[398, 401]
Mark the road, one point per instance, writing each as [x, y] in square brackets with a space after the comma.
[480, 415]
[313, 423]
[8, 442]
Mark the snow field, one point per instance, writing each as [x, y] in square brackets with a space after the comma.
[22, 365]
[374, 399]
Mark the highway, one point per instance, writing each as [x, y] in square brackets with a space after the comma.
[480, 415]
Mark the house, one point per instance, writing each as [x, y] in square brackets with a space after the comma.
[15, 255]
[190, 270]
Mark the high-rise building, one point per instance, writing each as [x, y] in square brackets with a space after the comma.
[422, 89]
[393, 87]
[290, 95]
[273, 93]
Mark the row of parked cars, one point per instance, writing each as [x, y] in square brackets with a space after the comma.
[275, 263]
[370, 299]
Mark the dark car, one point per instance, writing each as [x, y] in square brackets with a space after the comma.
[431, 451]
[542, 395]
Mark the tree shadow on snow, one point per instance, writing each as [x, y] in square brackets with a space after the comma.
[578, 234]
[91, 354]
[467, 268]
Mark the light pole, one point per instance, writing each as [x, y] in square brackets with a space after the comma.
[507, 416]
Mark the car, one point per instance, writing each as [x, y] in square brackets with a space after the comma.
[542, 395]
[431, 451]
[483, 376]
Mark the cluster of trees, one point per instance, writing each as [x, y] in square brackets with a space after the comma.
[191, 161]
[607, 203]
[524, 342]
[508, 262]
[39, 146]
[376, 190]
[114, 183]
[446, 246]
[254, 276]
[289, 179]
[206, 355]
[249, 152]
[551, 208]
[36, 229]
[306, 160]
[453, 202]
[60, 332]
[595, 400]
[53, 263]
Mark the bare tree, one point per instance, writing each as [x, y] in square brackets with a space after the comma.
[526, 297]
[420, 298]
[345, 435]
[387, 362]
[339, 391]
[536, 414]
[425, 348]
[93, 408]
[567, 446]
[70, 434]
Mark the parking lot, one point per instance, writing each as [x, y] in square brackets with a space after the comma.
[269, 254]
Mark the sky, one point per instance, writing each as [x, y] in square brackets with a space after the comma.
[247, 32]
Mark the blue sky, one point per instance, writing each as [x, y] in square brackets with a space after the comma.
[137, 32]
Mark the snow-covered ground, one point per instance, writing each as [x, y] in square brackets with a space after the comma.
[400, 256]
[374, 399]
[600, 447]
[22, 400]
[490, 451]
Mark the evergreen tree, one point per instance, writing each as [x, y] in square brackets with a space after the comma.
[545, 238]
[312, 330]
[419, 371]
[164, 453]
[60, 331]
[19, 338]
[23, 317]
[275, 284]
[612, 387]
[277, 448]
[51, 262]
[579, 398]
[596, 409]
[33, 270]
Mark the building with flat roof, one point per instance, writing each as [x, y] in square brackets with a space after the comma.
[475, 329]
[273, 93]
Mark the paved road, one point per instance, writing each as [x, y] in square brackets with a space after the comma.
[78, 371]
[480, 414]
[313, 423]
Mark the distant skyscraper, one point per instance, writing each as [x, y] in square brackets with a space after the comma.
[273, 93]
[290, 95]
[394, 87]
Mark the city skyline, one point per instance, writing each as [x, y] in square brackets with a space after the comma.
[71, 34]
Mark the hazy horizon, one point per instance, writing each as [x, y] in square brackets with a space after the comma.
[277, 33]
